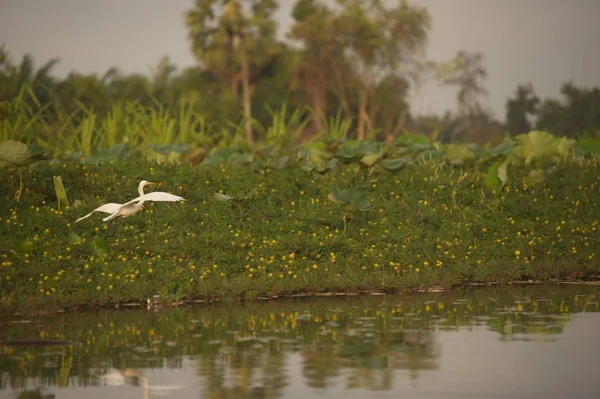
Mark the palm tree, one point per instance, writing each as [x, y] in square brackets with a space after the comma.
[234, 44]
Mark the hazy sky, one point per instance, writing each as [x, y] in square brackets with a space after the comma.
[545, 42]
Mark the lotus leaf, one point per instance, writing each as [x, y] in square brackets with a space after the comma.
[501, 150]
[226, 155]
[457, 154]
[349, 198]
[587, 145]
[194, 156]
[539, 145]
[395, 164]
[371, 159]
[331, 164]
[497, 175]
[410, 139]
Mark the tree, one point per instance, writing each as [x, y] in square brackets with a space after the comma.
[236, 45]
[90, 90]
[390, 108]
[578, 114]
[160, 80]
[466, 71]
[378, 42]
[316, 68]
[520, 108]
[13, 77]
[134, 87]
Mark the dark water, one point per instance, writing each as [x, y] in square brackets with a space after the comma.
[527, 342]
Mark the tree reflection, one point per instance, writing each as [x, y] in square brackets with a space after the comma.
[362, 342]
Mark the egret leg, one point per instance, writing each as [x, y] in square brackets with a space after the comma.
[108, 229]
[115, 226]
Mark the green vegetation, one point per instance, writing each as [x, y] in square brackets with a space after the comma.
[361, 58]
[300, 165]
[361, 216]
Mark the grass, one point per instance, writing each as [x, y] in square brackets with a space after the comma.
[278, 232]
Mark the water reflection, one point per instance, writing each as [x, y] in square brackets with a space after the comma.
[347, 344]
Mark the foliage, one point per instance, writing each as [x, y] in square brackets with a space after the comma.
[574, 117]
[520, 109]
[264, 225]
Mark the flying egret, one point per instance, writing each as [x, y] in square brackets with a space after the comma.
[131, 207]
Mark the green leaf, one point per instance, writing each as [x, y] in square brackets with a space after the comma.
[587, 146]
[347, 151]
[457, 154]
[226, 155]
[395, 164]
[281, 162]
[535, 176]
[25, 247]
[371, 159]
[503, 171]
[430, 155]
[99, 247]
[61, 193]
[15, 153]
[503, 149]
[349, 198]
[352, 150]
[74, 238]
[564, 147]
[315, 152]
[228, 198]
[370, 147]
[115, 153]
[194, 156]
[497, 175]
[492, 181]
[541, 145]
[410, 139]
[331, 164]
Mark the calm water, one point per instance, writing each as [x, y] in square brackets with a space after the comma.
[528, 342]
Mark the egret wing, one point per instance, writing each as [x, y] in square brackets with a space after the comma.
[157, 196]
[111, 207]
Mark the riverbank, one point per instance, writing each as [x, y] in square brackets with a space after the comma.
[246, 232]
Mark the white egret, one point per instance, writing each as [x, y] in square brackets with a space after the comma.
[131, 207]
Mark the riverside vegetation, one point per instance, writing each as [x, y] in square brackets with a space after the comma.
[329, 215]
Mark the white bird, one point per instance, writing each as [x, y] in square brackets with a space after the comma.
[131, 207]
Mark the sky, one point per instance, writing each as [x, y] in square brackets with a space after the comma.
[543, 42]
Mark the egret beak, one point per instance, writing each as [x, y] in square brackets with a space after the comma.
[150, 183]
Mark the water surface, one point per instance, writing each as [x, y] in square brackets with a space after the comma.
[525, 342]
